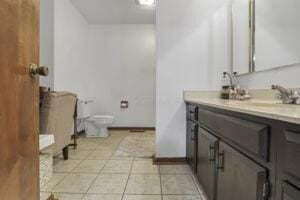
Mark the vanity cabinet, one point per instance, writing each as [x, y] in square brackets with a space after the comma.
[206, 161]
[191, 144]
[192, 136]
[238, 176]
[289, 192]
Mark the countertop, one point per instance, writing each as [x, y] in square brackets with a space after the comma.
[259, 107]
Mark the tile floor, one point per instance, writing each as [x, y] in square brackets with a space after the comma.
[94, 173]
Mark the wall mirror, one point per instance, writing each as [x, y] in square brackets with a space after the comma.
[265, 34]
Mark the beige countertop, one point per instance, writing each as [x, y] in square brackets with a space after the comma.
[269, 108]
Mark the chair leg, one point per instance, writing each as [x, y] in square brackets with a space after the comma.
[66, 153]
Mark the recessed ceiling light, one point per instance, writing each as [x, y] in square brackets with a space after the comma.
[146, 2]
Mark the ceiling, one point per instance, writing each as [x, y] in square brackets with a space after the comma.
[115, 12]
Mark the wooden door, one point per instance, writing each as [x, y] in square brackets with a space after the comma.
[191, 144]
[19, 134]
[206, 162]
[240, 178]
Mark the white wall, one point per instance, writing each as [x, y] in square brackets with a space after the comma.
[121, 66]
[70, 47]
[47, 41]
[193, 49]
[106, 63]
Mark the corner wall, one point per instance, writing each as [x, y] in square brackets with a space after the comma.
[193, 49]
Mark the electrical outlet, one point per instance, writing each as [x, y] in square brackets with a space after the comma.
[124, 104]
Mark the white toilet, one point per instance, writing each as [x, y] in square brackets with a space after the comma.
[94, 125]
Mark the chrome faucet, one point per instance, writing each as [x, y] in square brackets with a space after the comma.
[230, 77]
[287, 96]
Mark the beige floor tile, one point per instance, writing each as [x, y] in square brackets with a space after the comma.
[78, 154]
[44, 195]
[182, 197]
[87, 146]
[109, 184]
[143, 184]
[105, 148]
[56, 178]
[90, 166]
[90, 140]
[100, 155]
[62, 196]
[75, 183]
[142, 197]
[115, 157]
[178, 184]
[60, 165]
[102, 197]
[117, 166]
[144, 166]
[175, 169]
[112, 145]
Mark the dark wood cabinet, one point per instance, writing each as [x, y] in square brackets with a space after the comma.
[242, 156]
[206, 162]
[191, 144]
[289, 192]
[239, 177]
[291, 154]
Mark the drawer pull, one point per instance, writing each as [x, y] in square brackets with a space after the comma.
[211, 155]
[221, 161]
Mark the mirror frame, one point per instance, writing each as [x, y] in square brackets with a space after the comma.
[252, 36]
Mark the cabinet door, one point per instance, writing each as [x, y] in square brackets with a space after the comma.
[239, 178]
[289, 192]
[291, 157]
[206, 162]
[191, 146]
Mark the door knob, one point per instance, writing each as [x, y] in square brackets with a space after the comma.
[34, 70]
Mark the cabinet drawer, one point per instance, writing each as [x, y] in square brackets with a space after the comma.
[192, 112]
[289, 192]
[292, 154]
[251, 136]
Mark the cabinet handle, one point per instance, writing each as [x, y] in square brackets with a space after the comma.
[221, 161]
[212, 155]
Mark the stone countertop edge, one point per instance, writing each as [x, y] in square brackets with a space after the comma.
[282, 112]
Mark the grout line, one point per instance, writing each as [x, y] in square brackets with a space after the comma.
[97, 175]
[128, 176]
[161, 192]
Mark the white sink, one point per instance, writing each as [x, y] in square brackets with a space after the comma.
[46, 141]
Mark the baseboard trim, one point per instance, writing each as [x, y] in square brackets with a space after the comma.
[169, 161]
[132, 129]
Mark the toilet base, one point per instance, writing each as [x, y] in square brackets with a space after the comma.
[101, 133]
[92, 131]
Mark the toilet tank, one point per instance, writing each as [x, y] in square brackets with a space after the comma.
[84, 109]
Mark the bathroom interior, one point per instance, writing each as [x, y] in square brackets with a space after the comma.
[156, 100]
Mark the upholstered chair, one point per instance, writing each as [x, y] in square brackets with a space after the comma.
[57, 118]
